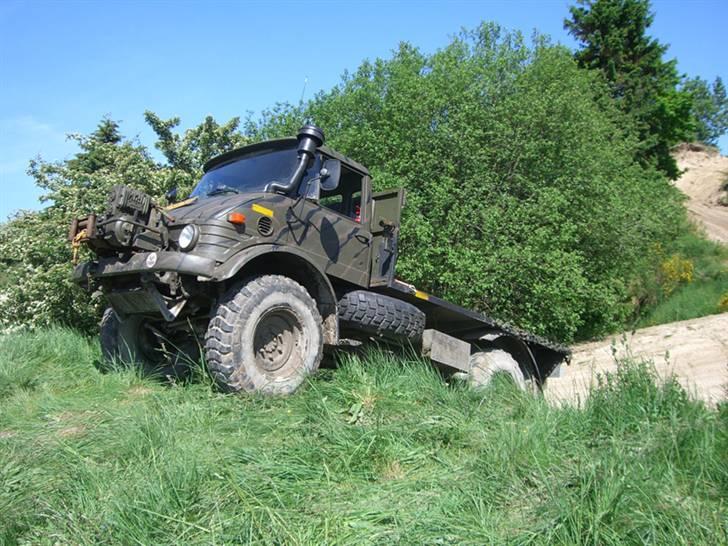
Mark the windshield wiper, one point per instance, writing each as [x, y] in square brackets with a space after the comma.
[223, 189]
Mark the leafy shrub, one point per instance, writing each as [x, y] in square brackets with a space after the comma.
[36, 287]
[723, 303]
[523, 197]
[676, 270]
[33, 245]
[704, 261]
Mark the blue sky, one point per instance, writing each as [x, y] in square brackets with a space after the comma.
[64, 65]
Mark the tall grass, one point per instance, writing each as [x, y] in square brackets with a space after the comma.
[381, 450]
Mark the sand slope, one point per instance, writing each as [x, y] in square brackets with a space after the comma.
[696, 351]
[705, 172]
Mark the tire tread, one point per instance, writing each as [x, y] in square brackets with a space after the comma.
[379, 315]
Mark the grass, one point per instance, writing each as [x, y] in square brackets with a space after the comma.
[380, 451]
[703, 295]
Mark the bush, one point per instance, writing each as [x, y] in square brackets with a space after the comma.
[676, 270]
[688, 283]
[36, 288]
[34, 246]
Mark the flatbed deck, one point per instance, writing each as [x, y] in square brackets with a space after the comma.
[470, 325]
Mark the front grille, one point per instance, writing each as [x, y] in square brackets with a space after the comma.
[265, 226]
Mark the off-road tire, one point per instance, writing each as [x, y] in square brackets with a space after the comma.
[122, 345]
[265, 336]
[485, 364]
[371, 314]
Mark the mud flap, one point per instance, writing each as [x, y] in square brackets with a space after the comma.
[446, 350]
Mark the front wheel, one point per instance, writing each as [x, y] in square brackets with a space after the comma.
[138, 341]
[264, 336]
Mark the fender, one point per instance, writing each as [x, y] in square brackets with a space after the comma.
[293, 263]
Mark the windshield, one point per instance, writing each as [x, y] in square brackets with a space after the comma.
[251, 173]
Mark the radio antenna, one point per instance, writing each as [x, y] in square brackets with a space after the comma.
[303, 91]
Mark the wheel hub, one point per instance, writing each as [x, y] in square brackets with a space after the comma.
[277, 338]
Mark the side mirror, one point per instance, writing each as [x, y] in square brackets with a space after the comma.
[330, 174]
[171, 195]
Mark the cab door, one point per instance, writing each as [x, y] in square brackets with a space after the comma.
[384, 223]
[333, 231]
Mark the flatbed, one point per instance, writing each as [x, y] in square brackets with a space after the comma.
[469, 325]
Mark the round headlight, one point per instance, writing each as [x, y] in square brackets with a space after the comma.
[188, 237]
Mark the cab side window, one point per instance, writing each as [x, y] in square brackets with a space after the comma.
[346, 198]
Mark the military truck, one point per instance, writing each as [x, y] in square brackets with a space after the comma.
[282, 251]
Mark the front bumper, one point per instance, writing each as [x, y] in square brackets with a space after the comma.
[145, 262]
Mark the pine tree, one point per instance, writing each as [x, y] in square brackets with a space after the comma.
[710, 108]
[614, 40]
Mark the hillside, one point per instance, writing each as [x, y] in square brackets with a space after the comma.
[704, 182]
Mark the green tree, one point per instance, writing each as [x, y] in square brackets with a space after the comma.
[185, 154]
[710, 108]
[37, 288]
[614, 40]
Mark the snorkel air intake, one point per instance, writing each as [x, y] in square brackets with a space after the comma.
[310, 138]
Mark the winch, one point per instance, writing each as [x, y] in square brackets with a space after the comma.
[132, 221]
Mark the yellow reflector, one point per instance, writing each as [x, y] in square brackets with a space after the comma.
[260, 209]
[422, 295]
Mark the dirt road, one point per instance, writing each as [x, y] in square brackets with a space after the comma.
[696, 351]
[705, 173]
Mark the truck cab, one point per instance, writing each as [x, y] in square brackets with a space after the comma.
[335, 220]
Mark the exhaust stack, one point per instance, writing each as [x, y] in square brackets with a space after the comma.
[310, 138]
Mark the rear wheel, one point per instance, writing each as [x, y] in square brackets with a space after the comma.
[487, 364]
[265, 336]
[138, 341]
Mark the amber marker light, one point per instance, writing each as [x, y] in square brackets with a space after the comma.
[237, 218]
